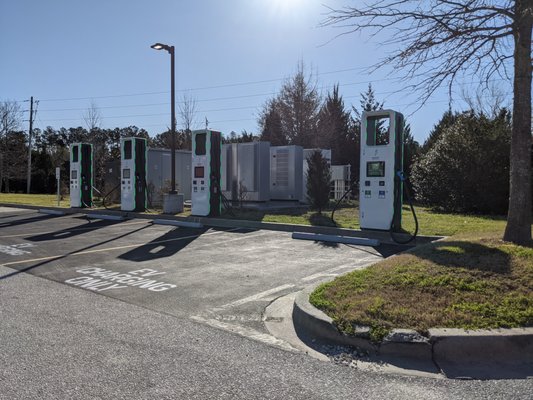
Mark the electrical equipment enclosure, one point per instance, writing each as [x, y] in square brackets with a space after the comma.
[159, 174]
[81, 175]
[286, 173]
[206, 173]
[133, 187]
[246, 169]
[380, 196]
[326, 153]
[340, 176]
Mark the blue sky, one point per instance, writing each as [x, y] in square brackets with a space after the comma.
[231, 56]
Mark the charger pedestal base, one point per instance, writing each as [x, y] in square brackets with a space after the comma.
[172, 203]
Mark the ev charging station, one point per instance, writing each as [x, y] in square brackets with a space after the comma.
[81, 175]
[206, 173]
[381, 172]
[133, 159]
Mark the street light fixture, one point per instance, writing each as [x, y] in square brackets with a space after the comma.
[170, 49]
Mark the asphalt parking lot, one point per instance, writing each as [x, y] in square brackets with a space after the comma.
[132, 310]
[220, 277]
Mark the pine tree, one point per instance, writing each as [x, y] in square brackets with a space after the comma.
[334, 128]
[318, 181]
[368, 103]
[270, 123]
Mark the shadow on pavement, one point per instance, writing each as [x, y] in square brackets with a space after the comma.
[49, 260]
[71, 232]
[28, 220]
[171, 243]
[164, 246]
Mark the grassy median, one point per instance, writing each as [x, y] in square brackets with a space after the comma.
[469, 281]
[346, 216]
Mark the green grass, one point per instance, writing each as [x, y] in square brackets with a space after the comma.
[44, 200]
[50, 200]
[469, 283]
[347, 216]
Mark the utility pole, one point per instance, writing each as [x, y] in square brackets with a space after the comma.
[28, 179]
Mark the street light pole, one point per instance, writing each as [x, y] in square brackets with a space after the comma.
[170, 49]
[173, 124]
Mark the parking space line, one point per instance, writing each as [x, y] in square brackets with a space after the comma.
[318, 275]
[129, 246]
[255, 297]
[332, 272]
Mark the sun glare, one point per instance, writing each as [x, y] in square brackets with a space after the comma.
[286, 7]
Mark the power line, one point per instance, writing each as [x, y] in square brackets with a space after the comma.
[209, 87]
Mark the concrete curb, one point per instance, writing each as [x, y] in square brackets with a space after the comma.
[480, 354]
[511, 350]
[382, 237]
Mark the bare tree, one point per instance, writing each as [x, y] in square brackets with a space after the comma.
[10, 121]
[299, 103]
[487, 100]
[187, 113]
[92, 117]
[10, 116]
[98, 138]
[441, 41]
[292, 116]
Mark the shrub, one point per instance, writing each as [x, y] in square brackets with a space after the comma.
[467, 168]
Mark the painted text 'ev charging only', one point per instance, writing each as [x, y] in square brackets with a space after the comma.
[100, 279]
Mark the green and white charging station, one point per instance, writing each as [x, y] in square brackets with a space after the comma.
[81, 175]
[206, 197]
[133, 169]
[381, 172]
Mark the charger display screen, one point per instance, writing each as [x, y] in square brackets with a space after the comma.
[375, 169]
[198, 172]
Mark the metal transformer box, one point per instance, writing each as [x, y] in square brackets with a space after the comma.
[246, 168]
[159, 171]
[286, 173]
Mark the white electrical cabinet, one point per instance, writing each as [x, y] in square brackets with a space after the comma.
[160, 170]
[340, 176]
[246, 171]
[286, 173]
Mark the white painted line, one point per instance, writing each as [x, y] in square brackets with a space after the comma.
[319, 275]
[357, 263]
[225, 241]
[332, 272]
[255, 297]
[246, 332]
[184, 224]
